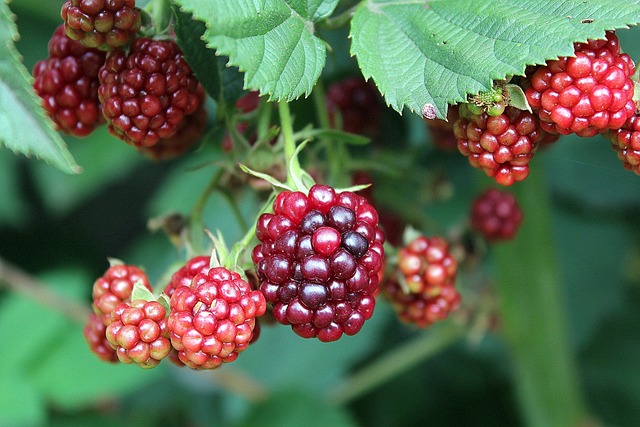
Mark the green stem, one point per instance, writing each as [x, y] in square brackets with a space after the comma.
[196, 224]
[160, 11]
[533, 319]
[286, 126]
[393, 363]
[340, 20]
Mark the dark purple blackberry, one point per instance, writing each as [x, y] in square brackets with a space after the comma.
[318, 261]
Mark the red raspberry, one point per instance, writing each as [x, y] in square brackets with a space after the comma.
[94, 333]
[101, 24]
[422, 289]
[213, 320]
[318, 261]
[147, 93]
[187, 135]
[626, 143]
[358, 105]
[496, 215]
[115, 287]
[501, 146]
[139, 334]
[585, 94]
[184, 276]
[441, 131]
[67, 82]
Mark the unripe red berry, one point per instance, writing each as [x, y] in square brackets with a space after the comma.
[496, 215]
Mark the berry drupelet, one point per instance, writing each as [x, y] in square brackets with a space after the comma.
[318, 261]
[496, 215]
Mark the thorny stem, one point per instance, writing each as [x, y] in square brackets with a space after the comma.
[19, 281]
[394, 363]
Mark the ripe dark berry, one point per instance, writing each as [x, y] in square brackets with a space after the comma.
[354, 106]
[213, 320]
[115, 287]
[318, 261]
[67, 82]
[585, 94]
[101, 24]
[501, 146]
[138, 332]
[422, 288]
[626, 143]
[94, 333]
[147, 93]
[496, 215]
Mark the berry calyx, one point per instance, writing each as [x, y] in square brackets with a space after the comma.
[587, 93]
[318, 261]
[138, 332]
[101, 24]
[496, 215]
[67, 82]
[114, 287]
[213, 319]
[147, 92]
[422, 287]
[502, 145]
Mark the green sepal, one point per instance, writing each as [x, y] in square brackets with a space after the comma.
[516, 97]
[140, 292]
[271, 180]
[165, 301]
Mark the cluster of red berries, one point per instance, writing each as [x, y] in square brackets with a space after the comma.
[586, 94]
[354, 106]
[99, 69]
[210, 317]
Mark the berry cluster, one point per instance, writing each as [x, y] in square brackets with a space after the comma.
[354, 106]
[501, 145]
[587, 93]
[318, 261]
[422, 288]
[496, 215]
[67, 82]
[626, 143]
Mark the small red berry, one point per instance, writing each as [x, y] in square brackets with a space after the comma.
[94, 334]
[626, 143]
[496, 215]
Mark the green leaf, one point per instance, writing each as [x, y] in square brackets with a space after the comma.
[23, 126]
[21, 403]
[436, 53]
[272, 41]
[140, 292]
[224, 84]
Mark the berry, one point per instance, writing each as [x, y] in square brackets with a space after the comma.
[94, 333]
[184, 276]
[626, 143]
[138, 332]
[501, 146]
[496, 215]
[101, 24]
[187, 135]
[115, 287]
[587, 93]
[441, 131]
[67, 82]
[213, 320]
[318, 261]
[354, 106]
[422, 288]
[147, 93]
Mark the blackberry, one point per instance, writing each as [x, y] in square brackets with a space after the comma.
[496, 215]
[101, 24]
[587, 93]
[147, 92]
[318, 261]
[67, 82]
[422, 287]
[213, 320]
[502, 145]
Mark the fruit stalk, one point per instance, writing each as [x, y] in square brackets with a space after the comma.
[533, 319]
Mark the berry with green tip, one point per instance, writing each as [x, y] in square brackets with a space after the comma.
[422, 287]
[138, 332]
[67, 82]
[101, 24]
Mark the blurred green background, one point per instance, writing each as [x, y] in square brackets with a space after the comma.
[60, 229]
